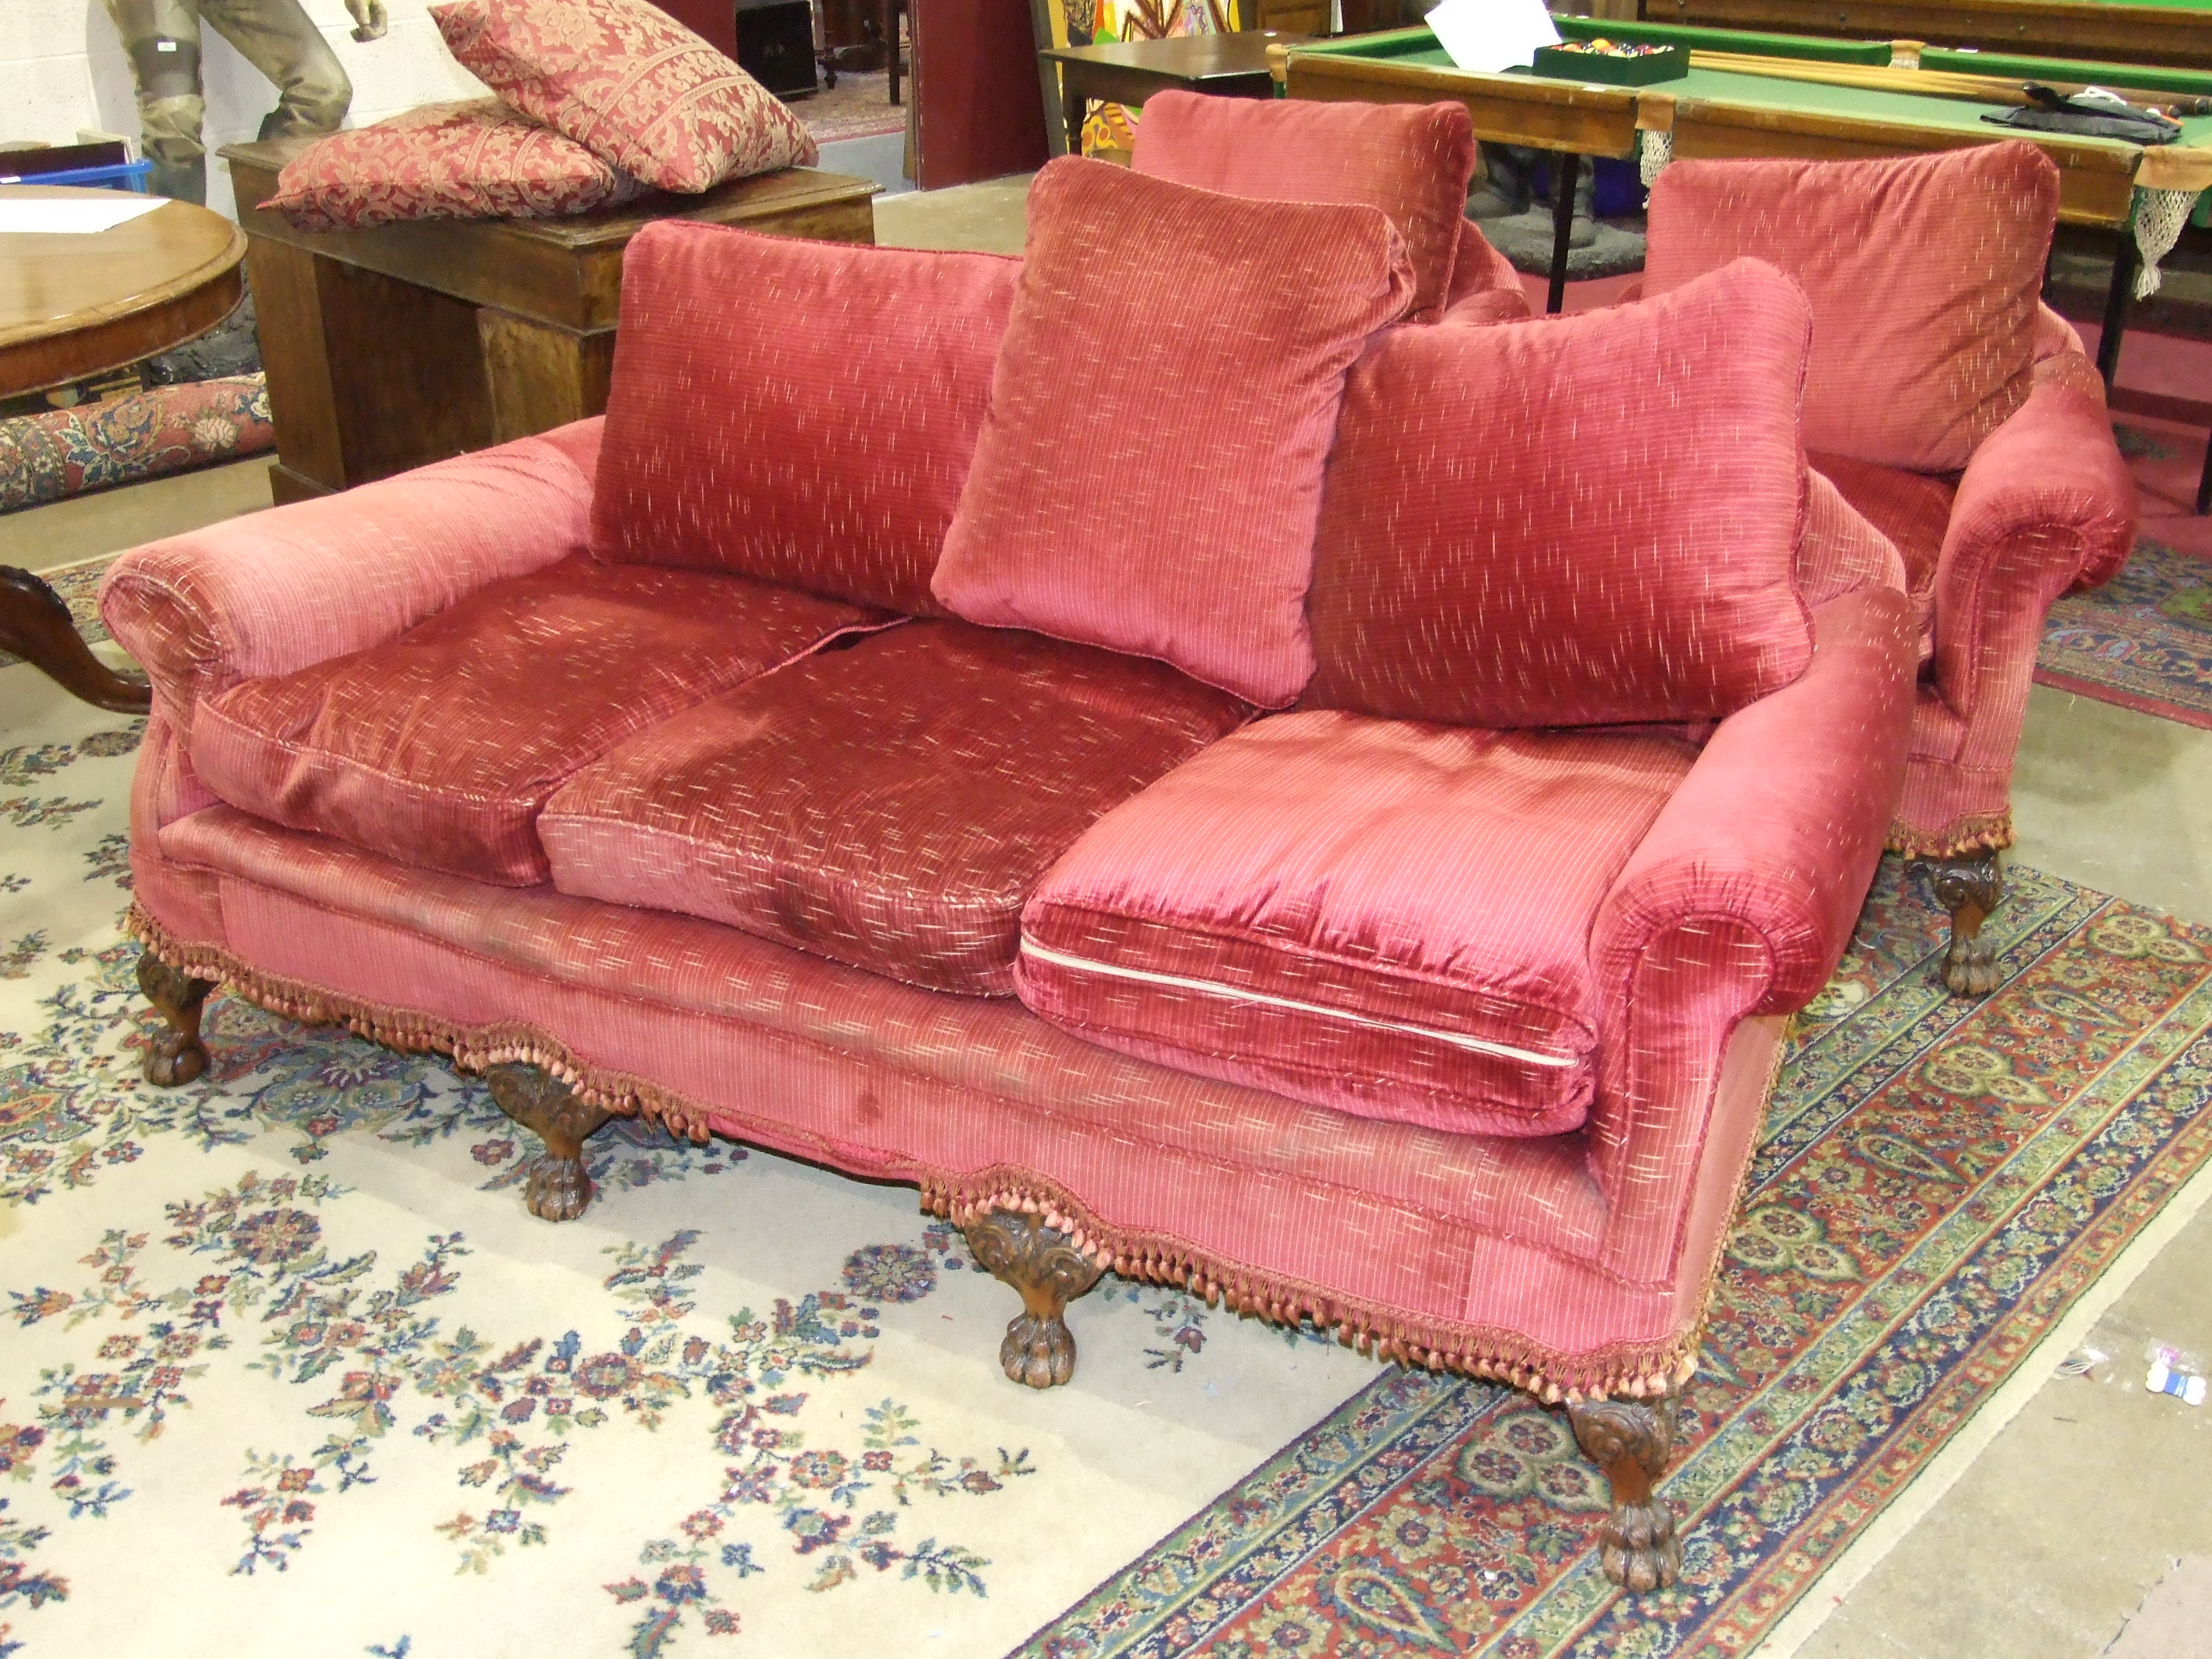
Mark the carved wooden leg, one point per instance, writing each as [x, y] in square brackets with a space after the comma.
[1970, 889]
[1050, 1272]
[1632, 1440]
[37, 627]
[560, 1188]
[176, 1055]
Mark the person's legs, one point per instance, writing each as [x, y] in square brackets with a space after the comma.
[279, 39]
[162, 40]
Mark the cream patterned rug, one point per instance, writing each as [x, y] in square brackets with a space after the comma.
[287, 1370]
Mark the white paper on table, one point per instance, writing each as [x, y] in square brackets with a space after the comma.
[72, 215]
[1492, 34]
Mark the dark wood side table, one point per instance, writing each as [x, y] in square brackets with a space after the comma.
[72, 306]
[391, 347]
[1130, 72]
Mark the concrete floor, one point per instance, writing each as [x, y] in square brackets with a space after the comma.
[2080, 1526]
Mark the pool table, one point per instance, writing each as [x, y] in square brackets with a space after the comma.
[1739, 99]
[2168, 32]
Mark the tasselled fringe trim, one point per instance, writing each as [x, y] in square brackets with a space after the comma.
[1635, 1373]
[1631, 1373]
[1984, 832]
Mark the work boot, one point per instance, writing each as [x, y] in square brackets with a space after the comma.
[1506, 187]
[180, 182]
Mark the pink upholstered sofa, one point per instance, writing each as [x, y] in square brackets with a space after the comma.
[1381, 906]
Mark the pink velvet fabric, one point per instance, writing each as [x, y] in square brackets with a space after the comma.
[1479, 564]
[269, 594]
[1485, 287]
[1386, 918]
[803, 412]
[1411, 161]
[1508, 1241]
[890, 805]
[1741, 897]
[1924, 274]
[439, 746]
[2047, 504]
[1149, 476]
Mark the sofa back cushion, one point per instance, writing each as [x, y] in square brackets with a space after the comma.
[1149, 473]
[1587, 521]
[800, 412]
[1412, 161]
[629, 84]
[1924, 274]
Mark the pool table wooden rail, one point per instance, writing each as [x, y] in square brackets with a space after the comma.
[2180, 36]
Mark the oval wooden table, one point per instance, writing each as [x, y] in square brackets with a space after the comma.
[75, 305]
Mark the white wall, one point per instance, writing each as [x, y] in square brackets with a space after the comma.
[62, 69]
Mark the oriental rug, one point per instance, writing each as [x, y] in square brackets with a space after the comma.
[287, 1369]
[66, 451]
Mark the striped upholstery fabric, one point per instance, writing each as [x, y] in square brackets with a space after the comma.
[1149, 476]
[803, 412]
[1485, 287]
[272, 592]
[1479, 565]
[1386, 918]
[890, 805]
[1924, 274]
[1412, 161]
[439, 746]
[1906, 512]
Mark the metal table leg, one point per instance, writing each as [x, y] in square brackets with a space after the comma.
[1567, 173]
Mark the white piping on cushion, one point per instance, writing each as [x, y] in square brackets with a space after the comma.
[1237, 994]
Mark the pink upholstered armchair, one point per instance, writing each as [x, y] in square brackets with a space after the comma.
[1412, 161]
[1957, 414]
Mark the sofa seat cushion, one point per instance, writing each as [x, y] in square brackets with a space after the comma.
[1385, 917]
[437, 747]
[889, 807]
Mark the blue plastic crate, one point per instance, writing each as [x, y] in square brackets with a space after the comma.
[125, 175]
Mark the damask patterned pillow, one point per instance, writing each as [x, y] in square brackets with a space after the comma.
[630, 84]
[477, 159]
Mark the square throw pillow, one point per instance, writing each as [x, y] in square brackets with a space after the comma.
[629, 84]
[1923, 271]
[477, 159]
[801, 412]
[1412, 161]
[1592, 520]
[1149, 473]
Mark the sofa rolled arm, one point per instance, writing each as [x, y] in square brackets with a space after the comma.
[2046, 504]
[276, 592]
[1775, 833]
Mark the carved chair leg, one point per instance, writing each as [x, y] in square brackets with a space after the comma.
[560, 1188]
[176, 1055]
[1970, 889]
[1632, 1440]
[1050, 1272]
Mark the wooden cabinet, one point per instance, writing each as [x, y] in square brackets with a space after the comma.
[390, 347]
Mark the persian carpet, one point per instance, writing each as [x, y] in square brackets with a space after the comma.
[1938, 1180]
[2144, 640]
[66, 452]
[284, 1343]
[859, 107]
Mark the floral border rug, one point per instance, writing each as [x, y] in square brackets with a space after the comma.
[291, 1320]
[2142, 641]
[1938, 1180]
[66, 451]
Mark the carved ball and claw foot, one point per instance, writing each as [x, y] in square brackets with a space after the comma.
[1050, 1272]
[560, 1188]
[177, 1055]
[1632, 1440]
[1970, 889]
